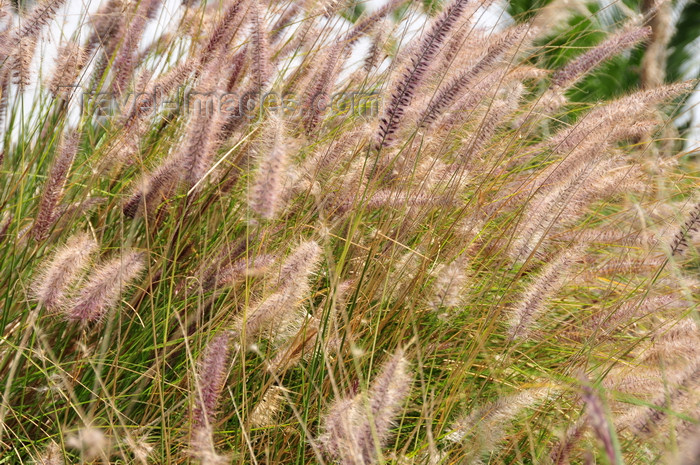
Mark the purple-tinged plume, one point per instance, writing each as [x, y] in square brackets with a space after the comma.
[260, 49]
[545, 285]
[212, 370]
[71, 60]
[454, 89]
[225, 29]
[266, 191]
[317, 93]
[691, 226]
[367, 23]
[211, 375]
[104, 288]
[52, 284]
[580, 66]
[599, 423]
[356, 428]
[413, 74]
[53, 188]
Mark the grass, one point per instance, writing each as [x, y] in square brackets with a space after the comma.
[310, 287]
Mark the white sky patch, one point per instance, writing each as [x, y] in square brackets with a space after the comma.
[72, 22]
[690, 113]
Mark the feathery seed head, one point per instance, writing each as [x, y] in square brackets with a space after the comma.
[211, 375]
[278, 312]
[318, 91]
[5, 224]
[260, 49]
[239, 270]
[52, 455]
[355, 428]
[268, 185]
[42, 13]
[71, 60]
[91, 443]
[212, 370]
[300, 263]
[225, 29]
[412, 75]
[544, 286]
[598, 421]
[66, 265]
[679, 244]
[269, 407]
[21, 60]
[369, 22]
[104, 287]
[202, 448]
[448, 286]
[53, 188]
[579, 67]
[140, 448]
[154, 188]
[464, 80]
[485, 424]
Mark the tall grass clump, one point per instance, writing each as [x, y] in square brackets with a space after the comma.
[267, 234]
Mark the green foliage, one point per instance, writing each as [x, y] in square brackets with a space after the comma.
[523, 10]
[686, 33]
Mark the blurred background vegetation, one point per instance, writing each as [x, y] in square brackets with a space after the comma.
[672, 54]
